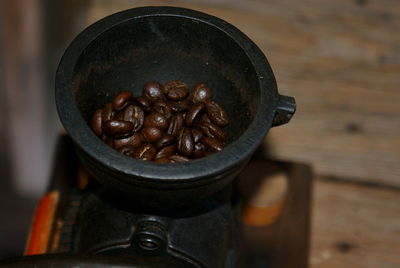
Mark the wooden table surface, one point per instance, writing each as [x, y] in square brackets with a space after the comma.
[341, 61]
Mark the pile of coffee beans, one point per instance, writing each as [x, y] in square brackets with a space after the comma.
[166, 124]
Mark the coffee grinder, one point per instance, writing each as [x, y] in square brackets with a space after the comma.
[142, 214]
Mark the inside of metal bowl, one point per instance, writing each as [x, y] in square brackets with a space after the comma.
[163, 48]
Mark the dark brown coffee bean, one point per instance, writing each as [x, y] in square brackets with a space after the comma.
[214, 145]
[178, 158]
[135, 141]
[156, 120]
[144, 103]
[197, 135]
[164, 141]
[176, 124]
[163, 109]
[162, 160]
[108, 112]
[96, 122]
[217, 114]
[151, 135]
[200, 93]
[145, 152]
[176, 90]
[185, 142]
[166, 151]
[194, 113]
[117, 128]
[213, 131]
[122, 99]
[135, 115]
[199, 150]
[153, 91]
[179, 106]
[127, 150]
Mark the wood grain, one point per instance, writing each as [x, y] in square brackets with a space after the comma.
[355, 226]
[340, 60]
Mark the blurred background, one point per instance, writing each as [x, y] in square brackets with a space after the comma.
[339, 59]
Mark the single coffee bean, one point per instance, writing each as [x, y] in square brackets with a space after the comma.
[117, 128]
[179, 106]
[163, 108]
[217, 114]
[121, 100]
[164, 141]
[185, 142]
[214, 145]
[197, 135]
[162, 160]
[135, 141]
[199, 150]
[153, 91]
[194, 113]
[108, 112]
[176, 124]
[176, 90]
[145, 152]
[156, 120]
[151, 135]
[96, 122]
[134, 114]
[213, 131]
[166, 151]
[178, 158]
[127, 150]
[144, 102]
[200, 93]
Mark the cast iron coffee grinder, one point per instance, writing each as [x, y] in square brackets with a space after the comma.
[164, 215]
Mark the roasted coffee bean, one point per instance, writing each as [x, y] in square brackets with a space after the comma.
[135, 115]
[127, 150]
[122, 100]
[199, 150]
[151, 135]
[179, 106]
[213, 131]
[153, 91]
[163, 108]
[117, 128]
[165, 140]
[217, 114]
[178, 158]
[175, 125]
[185, 142]
[156, 120]
[200, 93]
[162, 160]
[96, 122]
[176, 90]
[197, 135]
[144, 103]
[108, 112]
[135, 141]
[145, 152]
[213, 145]
[194, 113]
[166, 151]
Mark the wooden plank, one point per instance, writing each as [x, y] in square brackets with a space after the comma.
[341, 60]
[355, 226]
